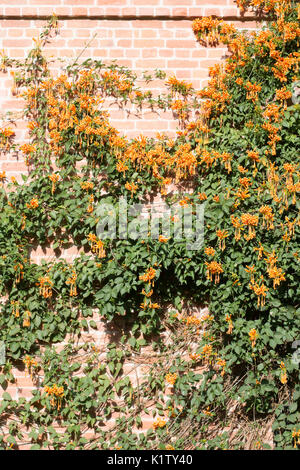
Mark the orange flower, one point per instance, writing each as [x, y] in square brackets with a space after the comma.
[242, 169]
[277, 275]
[7, 132]
[29, 363]
[72, 282]
[27, 148]
[268, 216]
[149, 275]
[237, 225]
[253, 336]
[171, 378]
[207, 411]
[87, 185]
[222, 234]
[45, 285]
[163, 239]
[283, 373]
[213, 269]
[221, 363]
[121, 167]
[15, 308]
[253, 155]
[159, 423]
[283, 94]
[251, 270]
[169, 447]
[57, 393]
[296, 434]
[26, 321]
[195, 356]
[202, 196]
[252, 91]
[54, 178]
[210, 251]
[260, 291]
[132, 187]
[230, 324]
[192, 320]
[250, 221]
[207, 352]
[184, 202]
[32, 125]
[34, 203]
[97, 246]
[19, 270]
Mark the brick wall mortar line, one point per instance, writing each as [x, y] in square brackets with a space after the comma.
[132, 17]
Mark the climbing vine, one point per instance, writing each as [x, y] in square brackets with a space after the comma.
[236, 151]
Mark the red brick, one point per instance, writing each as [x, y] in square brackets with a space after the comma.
[183, 74]
[231, 12]
[148, 33]
[163, 12]
[124, 43]
[42, 2]
[80, 24]
[207, 63]
[154, 24]
[152, 125]
[132, 53]
[141, 43]
[109, 2]
[123, 33]
[125, 63]
[145, 2]
[173, 3]
[76, 43]
[79, 11]
[116, 53]
[173, 64]
[183, 54]
[196, 12]
[165, 53]
[179, 12]
[15, 32]
[146, 53]
[96, 11]
[184, 24]
[150, 63]
[212, 2]
[12, 11]
[17, 2]
[124, 125]
[100, 52]
[212, 12]
[17, 43]
[11, 166]
[80, 2]
[112, 12]
[128, 12]
[176, 43]
[183, 33]
[15, 23]
[61, 11]
[216, 53]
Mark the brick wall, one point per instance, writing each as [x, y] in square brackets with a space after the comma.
[140, 34]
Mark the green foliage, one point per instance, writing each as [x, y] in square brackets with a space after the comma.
[240, 156]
